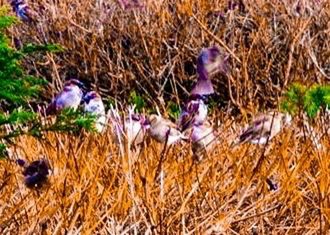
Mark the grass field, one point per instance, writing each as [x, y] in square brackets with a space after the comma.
[97, 188]
[93, 188]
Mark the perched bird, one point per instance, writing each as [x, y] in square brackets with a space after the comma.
[69, 97]
[93, 104]
[23, 11]
[135, 127]
[163, 130]
[131, 4]
[203, 139]
[35, 173]
[194, 113]
[264, 128]
[210, 61]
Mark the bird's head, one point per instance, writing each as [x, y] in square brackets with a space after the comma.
[91, 96]
[212, 60]
[75, 82]
[145, 122]
[153, 119]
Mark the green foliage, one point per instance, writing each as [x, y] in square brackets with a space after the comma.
[3, 151]
[5, 20]
[18, 88]
[212, 104]
[32, 48]
[137, 100]
[72, 121]
[109, 103]
[173, 110]
[18, 116]
[310, 100]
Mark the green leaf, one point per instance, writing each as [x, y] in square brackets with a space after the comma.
[32, 48]
[3, 151]
[173, 110]
[137, 100]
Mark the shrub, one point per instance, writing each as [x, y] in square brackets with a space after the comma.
[17, 88]
[310, 100]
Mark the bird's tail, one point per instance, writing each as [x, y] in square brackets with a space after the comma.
[51, 109]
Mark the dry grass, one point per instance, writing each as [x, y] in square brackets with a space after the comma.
[153, 49]
[95, 189]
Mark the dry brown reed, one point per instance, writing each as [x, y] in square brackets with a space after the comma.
[93, 189]
[153, 48]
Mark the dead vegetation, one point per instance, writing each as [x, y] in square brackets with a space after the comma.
[152, 48]
[93, 188]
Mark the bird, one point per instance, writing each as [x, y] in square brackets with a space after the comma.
[23, 11]
[194, 113]
[163, 130]
[69, 97]
[93, 104]
[210, 61]
[135, 127]
[203, 139]
[131, 4]
[264, 128]
[35, 173]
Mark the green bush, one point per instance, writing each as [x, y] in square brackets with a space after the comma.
[310, 100]
[17, 88]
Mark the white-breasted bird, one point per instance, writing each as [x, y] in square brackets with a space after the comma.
[69, 97]
[135, 128]
[132, 128]
[203, 139]
[194, 113]
[93, 104]
[264, 128]
[163, 130]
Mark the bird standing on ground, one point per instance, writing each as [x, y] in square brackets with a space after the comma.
[264, 128]
[93, 104]
[163, 130]
[35, 173]
[69, 97]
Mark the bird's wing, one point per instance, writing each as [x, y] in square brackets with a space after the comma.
[185, 120]
[258, 128]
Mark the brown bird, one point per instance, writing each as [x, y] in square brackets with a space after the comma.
[203, 139]
[135, 128]
[264, 128]
[163, 130]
